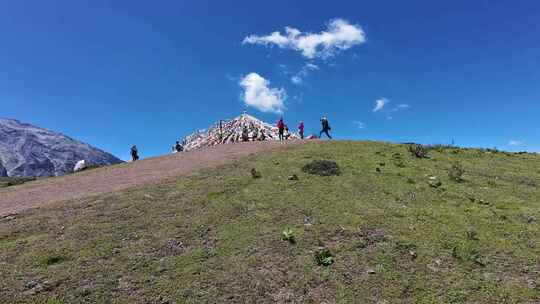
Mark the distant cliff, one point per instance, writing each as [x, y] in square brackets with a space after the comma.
[30, 151]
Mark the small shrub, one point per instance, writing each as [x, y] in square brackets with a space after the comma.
[434, 183]
[288, 235]
[399, 163]
[322, 168]
[52, 259]
[456, 172]
[255, 173]
[467, 251]
[418, 151]
[397, 159]
[324, 257]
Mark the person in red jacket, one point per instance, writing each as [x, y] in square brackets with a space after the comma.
[281, 128]
[301, 129]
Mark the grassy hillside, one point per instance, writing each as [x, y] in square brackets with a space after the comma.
[397, 229]
[13, 181]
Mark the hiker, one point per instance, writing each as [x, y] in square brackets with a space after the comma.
[178, 147]
[255, 134]
[325, 127]
[245, 134]
[286, 134]
[134, 153]
[301, 129]
[281, 128]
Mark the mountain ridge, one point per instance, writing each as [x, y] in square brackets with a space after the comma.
[27, 150]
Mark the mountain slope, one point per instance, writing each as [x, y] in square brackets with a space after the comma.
[3, 171]
[399, 230]
[30, 151]
[120, 177]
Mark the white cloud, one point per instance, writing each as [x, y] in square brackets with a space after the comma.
[359, 124]
[400, 107]
[304, 72]
[297, 79]
[339, 35]
[311, 66]
[379, 104]
[258, 95]
[515, 143]
[231, 77]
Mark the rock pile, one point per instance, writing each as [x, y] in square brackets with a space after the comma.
[242, 128]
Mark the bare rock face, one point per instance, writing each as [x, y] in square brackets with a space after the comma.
[3, 171]
[30, 151]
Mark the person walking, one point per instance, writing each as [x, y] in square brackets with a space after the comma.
[281, 128]
[325, 127]
[301, 129]
[134, 153]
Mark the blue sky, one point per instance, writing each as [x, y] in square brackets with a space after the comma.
[117, 73]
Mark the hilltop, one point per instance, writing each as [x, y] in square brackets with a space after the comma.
[385, 226]
[30, 151]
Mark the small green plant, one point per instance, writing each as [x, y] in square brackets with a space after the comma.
[288, 235]
[456, 172]
[52, 259]
[324, 257]
[467, 251]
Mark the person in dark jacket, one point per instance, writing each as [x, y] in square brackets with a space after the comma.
[287, 134]
[281, 128]
[245, 133]
[134, 153]
[301, 129]
[325, 127]
[178, 147]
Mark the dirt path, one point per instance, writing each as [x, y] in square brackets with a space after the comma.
[110, 179]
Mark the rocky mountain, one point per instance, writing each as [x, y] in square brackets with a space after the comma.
[230, 131]
[30, 151]
[3, 171]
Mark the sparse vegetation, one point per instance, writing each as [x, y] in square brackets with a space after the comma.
[456, 172]
[418, 151]
[52, 259]
[324, 257]
[214, 237]
[322, 168]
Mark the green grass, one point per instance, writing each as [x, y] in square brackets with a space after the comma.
[217, 236]
[13, 181]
